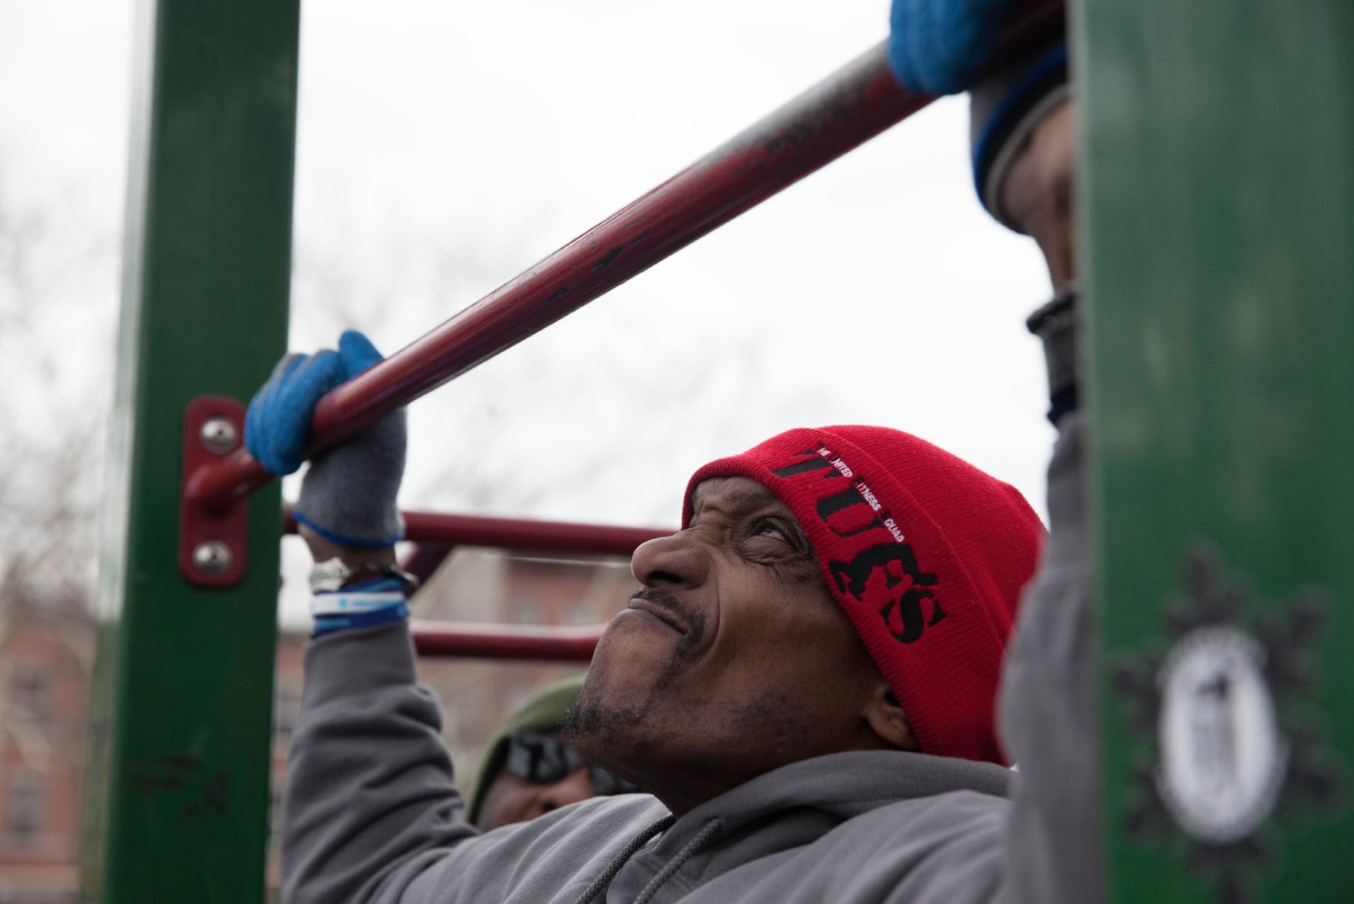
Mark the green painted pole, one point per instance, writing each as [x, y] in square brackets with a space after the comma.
[1218, 204]
[179, 778]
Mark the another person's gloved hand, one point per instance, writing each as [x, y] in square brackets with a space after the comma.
[942, 46]
[348, 495]
[949, 46]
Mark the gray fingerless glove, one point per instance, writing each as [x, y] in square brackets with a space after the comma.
[348, 495]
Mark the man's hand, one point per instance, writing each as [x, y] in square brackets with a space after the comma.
[348, 495]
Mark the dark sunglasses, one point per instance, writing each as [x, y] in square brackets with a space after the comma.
[542, 760]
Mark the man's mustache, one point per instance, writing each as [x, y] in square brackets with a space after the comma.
[693, 617]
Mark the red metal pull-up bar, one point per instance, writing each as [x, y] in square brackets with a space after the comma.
[492, 641]
[842, 112]
[838, 114]
[518, 533]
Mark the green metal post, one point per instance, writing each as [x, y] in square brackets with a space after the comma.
[1218, 206]
[179, 778]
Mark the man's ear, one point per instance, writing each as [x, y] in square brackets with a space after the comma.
[886, 718]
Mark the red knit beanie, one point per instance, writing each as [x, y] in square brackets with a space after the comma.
[927, 555]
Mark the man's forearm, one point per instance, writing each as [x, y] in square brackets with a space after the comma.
[369, 781]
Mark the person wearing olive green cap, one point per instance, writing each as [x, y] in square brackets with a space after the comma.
[527, 771]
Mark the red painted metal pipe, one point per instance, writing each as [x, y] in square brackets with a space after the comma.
[842, 112]
[838, 114]
[424, 559]
[529, 534]
[518, 533]
[490, 641]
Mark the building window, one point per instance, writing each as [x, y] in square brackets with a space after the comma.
[32, 694]
[27, 800]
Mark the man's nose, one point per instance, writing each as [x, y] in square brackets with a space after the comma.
[678, 560]
[575, 786]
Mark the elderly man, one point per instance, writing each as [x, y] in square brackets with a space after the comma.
[804, 681]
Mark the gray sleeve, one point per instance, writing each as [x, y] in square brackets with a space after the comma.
[1048, 715]
[369, 782]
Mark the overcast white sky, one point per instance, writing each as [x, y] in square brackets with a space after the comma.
[446, 146]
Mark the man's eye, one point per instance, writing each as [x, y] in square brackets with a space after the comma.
[769, 529]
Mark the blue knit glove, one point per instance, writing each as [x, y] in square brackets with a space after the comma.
[942, 46]
[348, 494]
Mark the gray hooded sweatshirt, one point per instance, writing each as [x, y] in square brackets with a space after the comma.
[369, 804]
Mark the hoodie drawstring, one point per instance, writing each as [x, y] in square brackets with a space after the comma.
[693, 846]
[603, 879]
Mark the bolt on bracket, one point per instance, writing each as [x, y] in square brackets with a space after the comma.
[212, 540]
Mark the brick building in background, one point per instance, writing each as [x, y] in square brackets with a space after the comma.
[46, 660]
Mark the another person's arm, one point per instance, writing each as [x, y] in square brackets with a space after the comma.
[1052, 845]
[1048, 716]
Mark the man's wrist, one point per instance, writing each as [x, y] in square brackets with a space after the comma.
[337, 575]
[1056, 325]
[322, 549]
[360, 596]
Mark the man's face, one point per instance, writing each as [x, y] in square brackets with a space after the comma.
[1038, 191]
[731, 660]
[511, 799]
[539, 772]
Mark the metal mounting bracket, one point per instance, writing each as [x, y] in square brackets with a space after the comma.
[212, 539]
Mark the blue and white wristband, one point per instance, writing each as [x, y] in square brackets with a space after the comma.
[364, 605]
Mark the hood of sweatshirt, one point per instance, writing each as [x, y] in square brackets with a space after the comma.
[840, 786]
[784, 809]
